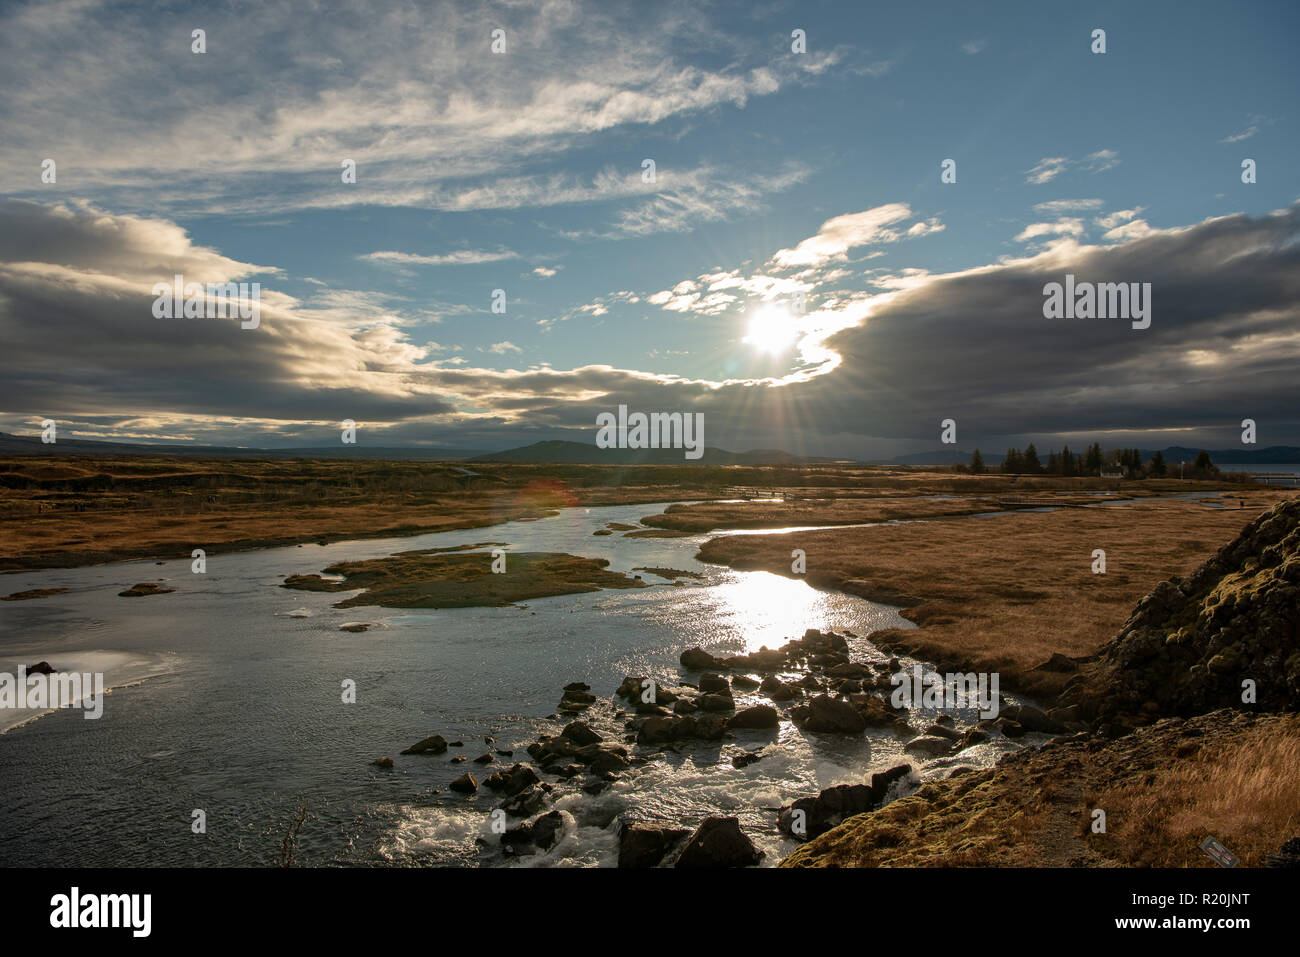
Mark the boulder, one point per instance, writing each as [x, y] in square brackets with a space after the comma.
[943, 731]
[382, 762]
[1032, 719]
[759, 718]
[435, 744]
[882, 780]
[580, 733]
[930, 745]
[696, 659]
[465, 784]
[827, 715]
[714, 684]
[526, 803]
[719, 842]
[646, 844]
[576, 701]
[716, 702]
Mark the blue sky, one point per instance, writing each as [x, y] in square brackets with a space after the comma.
[775, 171]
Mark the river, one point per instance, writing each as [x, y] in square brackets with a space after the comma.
[226, 699]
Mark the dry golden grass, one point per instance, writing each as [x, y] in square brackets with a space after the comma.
[1006, 593]
[1245, 797]
[1227, 774]
[78, 510]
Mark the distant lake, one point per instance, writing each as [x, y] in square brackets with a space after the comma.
[1265, 468]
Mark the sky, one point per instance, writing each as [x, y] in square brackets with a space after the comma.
[778, 173]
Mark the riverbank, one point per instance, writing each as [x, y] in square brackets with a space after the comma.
[1163, 789]
[1007, 593]
[1186, 726]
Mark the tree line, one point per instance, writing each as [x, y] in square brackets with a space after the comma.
[1088, 462]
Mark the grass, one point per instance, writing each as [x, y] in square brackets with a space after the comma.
[1005, 593]
[1164, 789]
[436, 579]
[1245, 797]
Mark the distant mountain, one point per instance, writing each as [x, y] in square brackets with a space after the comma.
[580, 453]
[942, 457]
[32, 445]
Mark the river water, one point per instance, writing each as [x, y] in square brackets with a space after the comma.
[227, 699]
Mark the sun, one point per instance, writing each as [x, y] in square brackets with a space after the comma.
[771, 329]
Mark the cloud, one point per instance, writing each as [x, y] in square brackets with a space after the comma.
[83, 347]
[1101, 160]
[1134, 230]
[411, 93]
[1050, 167]
[546, 272]
[837, 236]
[1046, 169]
[1253, 127]
[461, 257]
[1057, 206]
[501, 348]
[973, 47]
[1111, 220]
[1068, 226]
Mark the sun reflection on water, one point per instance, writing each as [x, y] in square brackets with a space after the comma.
[767, 609]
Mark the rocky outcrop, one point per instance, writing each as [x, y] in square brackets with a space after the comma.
[1198, 644]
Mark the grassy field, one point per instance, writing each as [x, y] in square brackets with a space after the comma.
[1005, 593]
[78, 510]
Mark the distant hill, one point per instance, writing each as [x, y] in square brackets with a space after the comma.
[32, 445]
[580, 453]
[941, 457]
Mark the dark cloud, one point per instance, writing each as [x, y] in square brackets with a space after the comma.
[81, 344]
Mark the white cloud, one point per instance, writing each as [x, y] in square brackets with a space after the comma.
[1101, 160]
[838, 235]
[1046, 169]
[1254, 123]
[1050, 167]
[1055, 207]
[462, 257]
[1067, 226]
[1137, 229]
[1111, 220]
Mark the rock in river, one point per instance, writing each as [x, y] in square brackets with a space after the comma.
[719, 842]
[435, 744]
